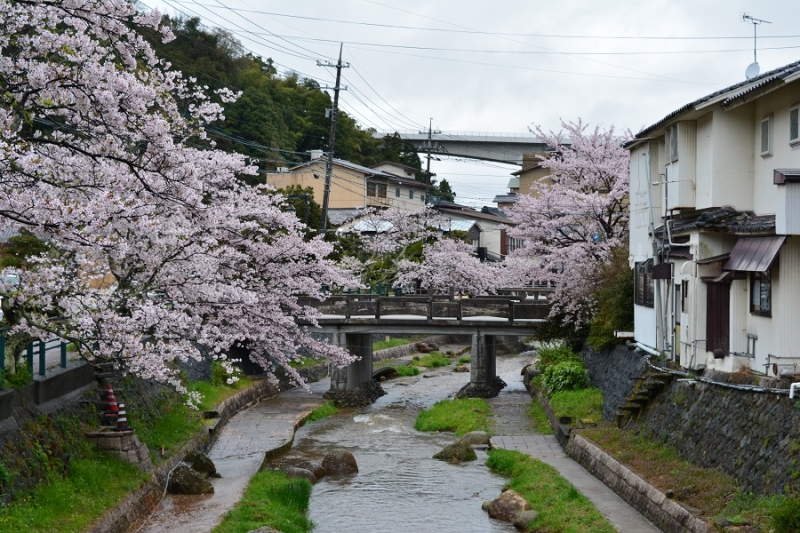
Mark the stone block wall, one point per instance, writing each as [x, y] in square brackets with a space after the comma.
[615, 371]
[753, 436]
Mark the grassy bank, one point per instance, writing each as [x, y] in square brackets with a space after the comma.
[460, 416]
[93, 484]
[560, 506]
[271, 499]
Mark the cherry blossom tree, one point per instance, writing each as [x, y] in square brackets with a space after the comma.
[103, 155]
[389, 236]
[572, 219]
[450, 263]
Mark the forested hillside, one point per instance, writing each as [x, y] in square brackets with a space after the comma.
[278, 118]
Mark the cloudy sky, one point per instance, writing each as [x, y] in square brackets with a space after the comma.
[504, 65]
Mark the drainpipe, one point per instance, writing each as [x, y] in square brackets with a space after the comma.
[791, 389]
[650, 350]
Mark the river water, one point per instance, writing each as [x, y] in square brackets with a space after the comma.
[400, 487]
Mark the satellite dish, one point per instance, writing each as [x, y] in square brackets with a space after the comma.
[752, 71]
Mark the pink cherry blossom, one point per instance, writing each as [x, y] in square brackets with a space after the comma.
[571, 221]
[103, 155]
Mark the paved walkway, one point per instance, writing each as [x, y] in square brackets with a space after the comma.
[238, 453]
[514, 432]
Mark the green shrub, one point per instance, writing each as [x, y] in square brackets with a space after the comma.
[786, 517]
[464, 360]
[614, 299]
[19, 379]
[569, 375]
[554, 353]
[220, 376]
[461, 416]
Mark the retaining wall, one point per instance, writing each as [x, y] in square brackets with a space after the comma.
[753, 436]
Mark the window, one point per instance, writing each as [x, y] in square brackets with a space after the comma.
[673, 142]
[376, 189]
[397, 192]
[761, 293]
[794, 125]
[766, 136]
[643, 293]
[411, 194]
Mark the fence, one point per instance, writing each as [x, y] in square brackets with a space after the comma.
[38, 348]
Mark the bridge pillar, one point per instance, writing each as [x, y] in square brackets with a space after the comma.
[352, 385]
[483, 380]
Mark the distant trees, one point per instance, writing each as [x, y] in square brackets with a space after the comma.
[106, 159]
[573, 220]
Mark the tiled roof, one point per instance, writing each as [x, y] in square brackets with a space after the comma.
[724, 220]
[746, 86]
[506, 199]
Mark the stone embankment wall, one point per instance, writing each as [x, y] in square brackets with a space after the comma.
[616, 372]
[407, 349]
[753, 436]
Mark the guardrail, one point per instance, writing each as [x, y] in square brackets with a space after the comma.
[512, 307]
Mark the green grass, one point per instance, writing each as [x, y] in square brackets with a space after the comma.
[539, 418]
[583, 404]
[305, 362]
[213, 395]
[323, 411]
[561, 507]
[271, 499]
[461, 416]
[405, 371]
[432, 360]
[391, 343]
[170, 431]
[63, 505]
[464, 360]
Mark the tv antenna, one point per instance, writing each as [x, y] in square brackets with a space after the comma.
[753, 68]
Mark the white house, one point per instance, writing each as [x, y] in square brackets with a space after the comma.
[715, 228]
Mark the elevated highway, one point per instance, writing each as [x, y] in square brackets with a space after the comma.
[497, 147]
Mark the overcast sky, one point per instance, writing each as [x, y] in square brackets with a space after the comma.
[501, 66]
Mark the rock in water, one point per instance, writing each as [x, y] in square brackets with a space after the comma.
[458, 452]
[524, 518]
[508, 507]
[295, 472]
[339, 462]
[186, 480]
[476, 438]
[201, 463]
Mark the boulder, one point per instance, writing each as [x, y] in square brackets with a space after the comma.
[422, 347]
[461, 368]
[525, 518]
[458, 452]
[186, 480]
[295, 472]
[312, 465]
[201, 463]
[476, 438]
[339, 462]
[508, 507]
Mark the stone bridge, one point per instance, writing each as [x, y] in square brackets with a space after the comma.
[351, 320]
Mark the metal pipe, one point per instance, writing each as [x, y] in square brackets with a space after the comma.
[645, 348]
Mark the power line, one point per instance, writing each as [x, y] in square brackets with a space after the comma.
[508, 34]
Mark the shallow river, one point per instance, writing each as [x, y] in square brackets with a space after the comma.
[400, 487]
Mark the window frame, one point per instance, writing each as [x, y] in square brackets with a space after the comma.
[768, 122]
[757, 278]
[410, 194]
[795, 109]
[397, 192]
[643, 284]
[673, 143]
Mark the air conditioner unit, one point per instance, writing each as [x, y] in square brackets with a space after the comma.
[283, 169]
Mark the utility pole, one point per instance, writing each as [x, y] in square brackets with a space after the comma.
[429, 146]
[332, 137]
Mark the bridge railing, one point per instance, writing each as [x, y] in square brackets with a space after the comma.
[440, 307]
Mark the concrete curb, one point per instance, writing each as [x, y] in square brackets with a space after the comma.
[652, 503]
